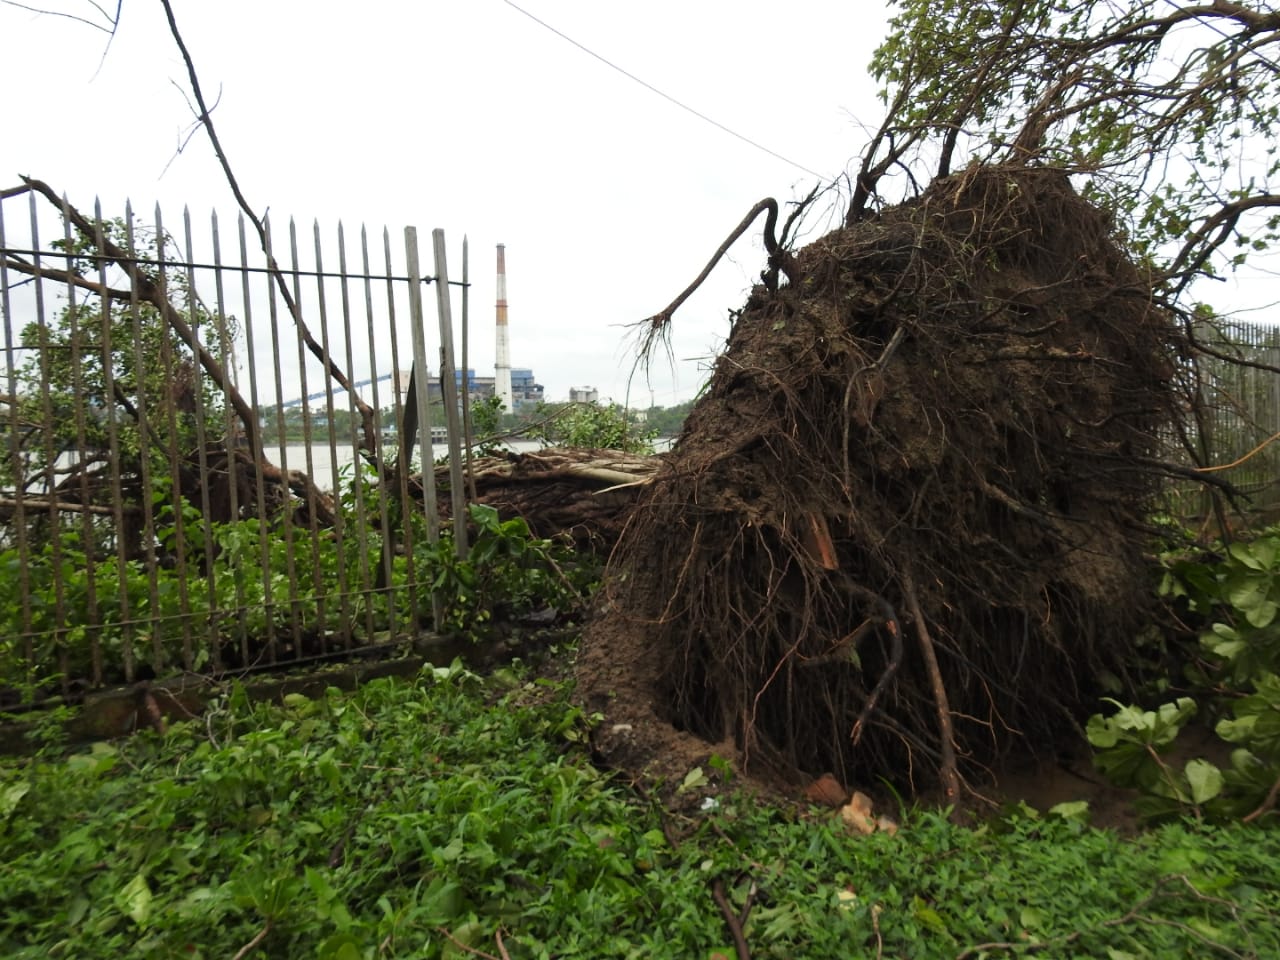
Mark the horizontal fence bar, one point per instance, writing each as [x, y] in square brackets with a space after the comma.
[147, 262]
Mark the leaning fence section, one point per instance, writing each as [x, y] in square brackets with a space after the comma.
[207, 454]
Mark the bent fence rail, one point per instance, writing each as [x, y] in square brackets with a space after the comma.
[185, 482]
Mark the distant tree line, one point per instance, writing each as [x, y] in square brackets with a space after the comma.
[668, 421]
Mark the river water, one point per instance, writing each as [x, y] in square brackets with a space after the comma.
[323, 459]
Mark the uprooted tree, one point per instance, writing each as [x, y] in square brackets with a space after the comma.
[903, 531]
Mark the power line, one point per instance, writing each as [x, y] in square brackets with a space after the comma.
[666, 96]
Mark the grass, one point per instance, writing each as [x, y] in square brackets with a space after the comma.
[449, 816]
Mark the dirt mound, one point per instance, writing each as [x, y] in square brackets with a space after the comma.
[902, 532]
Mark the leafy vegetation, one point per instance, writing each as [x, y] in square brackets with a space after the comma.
[590, 425]
[507, 573]
[1234, 681]
[1169, 110]
[668, 421]
[106, 399]
[486, 424]
[445, 815]
[261, 582]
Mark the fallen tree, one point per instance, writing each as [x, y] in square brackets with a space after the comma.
[903, 531]
[582, 494]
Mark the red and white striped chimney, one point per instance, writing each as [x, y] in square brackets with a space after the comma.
[502, 371]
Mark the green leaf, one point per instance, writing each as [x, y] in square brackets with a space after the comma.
[1182, 859]
[926, 916]
[341, 946]
[694, 779]
[1265, 550]
[77, 909]
[484, 516]
[1242, 552]
[1226, 649]
[100, 759]
[1101, 732]
[11, 796]
[1239, 730]
[1176, 713]
[1262, 614]
[1076, 810]
[451, 851]
[135, 900]
[1204, 779]
[1225, 631]
[1248, 593]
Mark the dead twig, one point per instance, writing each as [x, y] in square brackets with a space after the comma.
[70, 16]
[252, 945]
[1237, 462]
[731, 920]
[471, 950]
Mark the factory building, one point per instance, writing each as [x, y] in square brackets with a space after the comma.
[525, 389]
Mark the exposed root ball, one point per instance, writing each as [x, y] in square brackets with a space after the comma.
[901, 533]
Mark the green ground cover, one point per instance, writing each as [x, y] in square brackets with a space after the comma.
[453, 816]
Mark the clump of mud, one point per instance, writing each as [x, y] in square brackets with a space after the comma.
[902, 533]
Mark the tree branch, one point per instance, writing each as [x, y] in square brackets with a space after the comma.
[8, 506]
[147, 289]
[368, 416]
[70, 277]
[1199, 247]
[957, 120]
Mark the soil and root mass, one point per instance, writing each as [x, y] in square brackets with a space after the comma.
[902, 533]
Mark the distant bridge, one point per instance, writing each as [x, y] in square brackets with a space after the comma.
[322, 394]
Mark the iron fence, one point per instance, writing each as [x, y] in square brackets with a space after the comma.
[207, 444]
[1235, 430]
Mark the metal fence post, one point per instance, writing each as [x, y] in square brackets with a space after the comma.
[449, 391]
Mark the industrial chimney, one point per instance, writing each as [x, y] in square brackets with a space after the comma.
[502, 371]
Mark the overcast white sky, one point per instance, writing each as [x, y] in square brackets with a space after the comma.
[469, 116]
